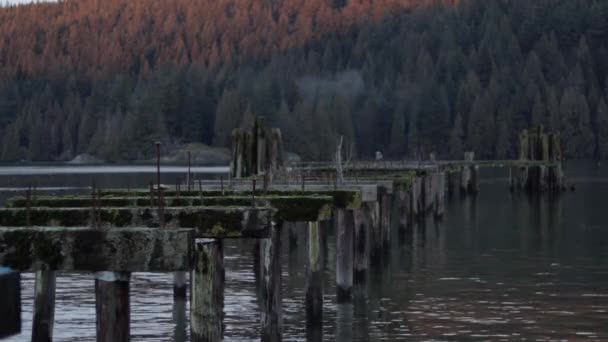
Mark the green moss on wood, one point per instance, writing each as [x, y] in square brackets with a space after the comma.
[313, 208]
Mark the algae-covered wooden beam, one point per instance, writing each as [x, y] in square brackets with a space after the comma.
[208, 222]
[90, 250]
[10, 302]
[342, 198]
[300, 208]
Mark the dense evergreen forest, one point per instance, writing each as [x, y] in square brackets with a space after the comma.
[406, 77]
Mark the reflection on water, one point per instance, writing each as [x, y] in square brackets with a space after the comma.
[499, 267]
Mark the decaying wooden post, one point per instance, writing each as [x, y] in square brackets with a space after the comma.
[292, 234]
[44, 306]
[469, 176]
[44, 295]
[386, 215]
[180, 285]
[361, 243]
[376, 237]
[112, 306]
[314, 284]
[270, 287]
[345, 223]
[207, 291]
[439, 179]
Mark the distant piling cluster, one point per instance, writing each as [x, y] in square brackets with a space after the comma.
[541, 163]
[256, 150]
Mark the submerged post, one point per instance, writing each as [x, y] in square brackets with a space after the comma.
[207, 291]
[344, 254]
[112, 306]
[314, 286]
[270, 291]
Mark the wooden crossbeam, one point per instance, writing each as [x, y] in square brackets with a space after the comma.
[208, 222]
[89, 250]
[288, 208]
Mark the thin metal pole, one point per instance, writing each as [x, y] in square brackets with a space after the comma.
[253, 191]
[28, 200]
[189, 172]
[158, 167]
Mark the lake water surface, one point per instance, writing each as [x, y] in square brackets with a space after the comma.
[499, 267]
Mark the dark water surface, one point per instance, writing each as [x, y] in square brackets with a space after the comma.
[499, 267]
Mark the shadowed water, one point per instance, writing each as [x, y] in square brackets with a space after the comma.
[500, 266]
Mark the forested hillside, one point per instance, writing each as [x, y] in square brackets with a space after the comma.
[406, 77]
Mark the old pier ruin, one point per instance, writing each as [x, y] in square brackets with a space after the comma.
[112, 233]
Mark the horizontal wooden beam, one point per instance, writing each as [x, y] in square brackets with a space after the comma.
[10, 303]
[208, 222]
[288, 208]
[89, 250]
[342, 198]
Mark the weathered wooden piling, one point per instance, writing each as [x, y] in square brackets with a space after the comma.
[180, 320]
[386, 215]
[469, 175]
[345, 222]
[10, 302]
[207, 291]
[402, 197]
[452, 179]
[44, 306]
[438, 193]
[314, 284]
[180, 285]
[270, 287]
[362, 220]
[416, 200]
[112, 306]
[291, 228]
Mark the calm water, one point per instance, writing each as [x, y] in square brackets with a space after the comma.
[499, 267]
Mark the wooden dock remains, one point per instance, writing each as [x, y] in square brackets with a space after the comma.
[115, 232]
